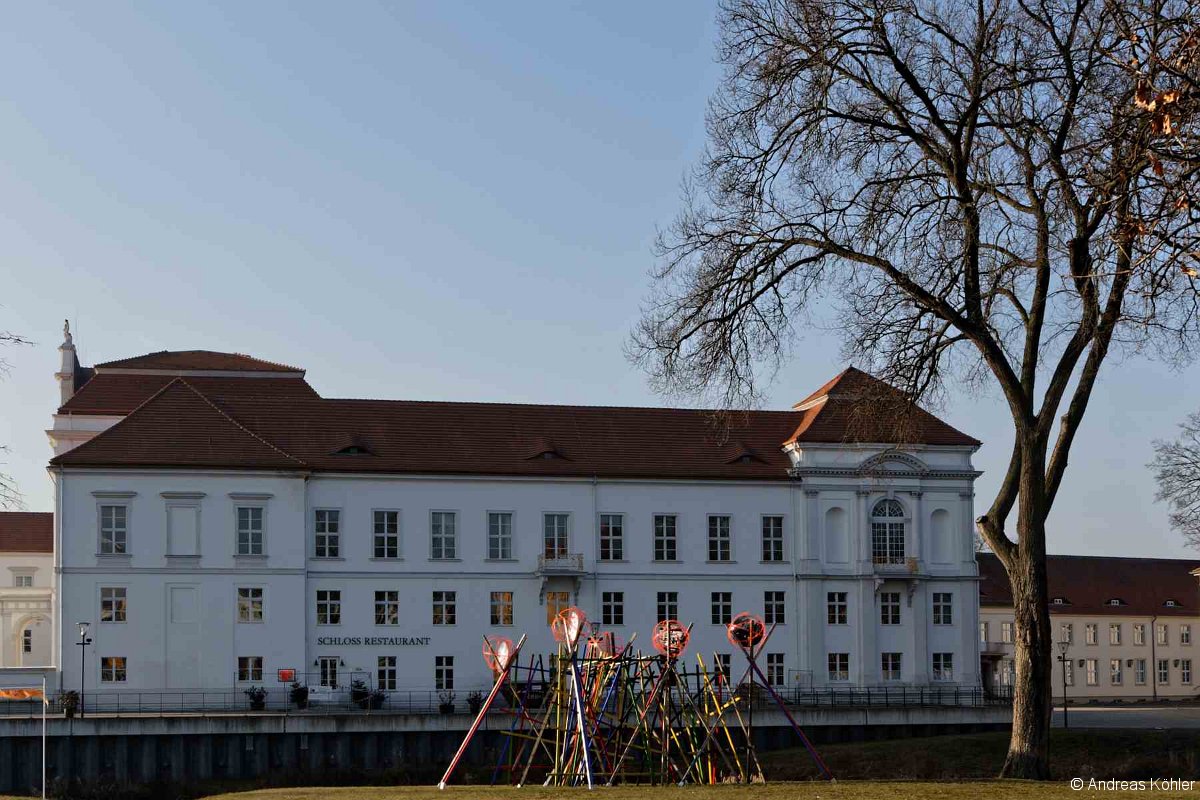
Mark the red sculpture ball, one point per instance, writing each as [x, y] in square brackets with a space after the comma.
[497, 652]
[670, 638]
[567, 626]
[746, 630]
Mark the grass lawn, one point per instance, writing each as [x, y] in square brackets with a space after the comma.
[845, 790]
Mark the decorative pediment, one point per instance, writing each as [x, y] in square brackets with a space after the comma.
[893, 461]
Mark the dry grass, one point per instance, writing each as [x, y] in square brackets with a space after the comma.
[845, 790]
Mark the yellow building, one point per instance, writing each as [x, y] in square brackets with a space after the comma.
[1129, 623]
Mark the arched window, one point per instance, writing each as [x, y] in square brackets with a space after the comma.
[887, 532]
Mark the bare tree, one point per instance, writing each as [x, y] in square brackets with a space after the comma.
[10, 497]
[1176, 467]
[999, 191]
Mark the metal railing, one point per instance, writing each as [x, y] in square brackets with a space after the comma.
[279, 700]
[563, 564]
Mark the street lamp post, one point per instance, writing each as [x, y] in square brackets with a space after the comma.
[84, 641]
[1062, 659]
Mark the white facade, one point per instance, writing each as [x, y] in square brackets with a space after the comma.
[181, 627]
[26, 609]
[180, 608]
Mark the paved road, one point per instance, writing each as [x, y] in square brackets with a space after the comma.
[1130, 717]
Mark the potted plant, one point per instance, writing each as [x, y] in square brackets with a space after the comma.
[377, 699]
[446, 704]
[69, 700]
[299, 695]
[475, 702]
[360, 694]
[258, 698]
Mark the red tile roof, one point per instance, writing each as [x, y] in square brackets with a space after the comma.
[179, 427]
[1087, 583]
[118, 394]
[197, 360]
[26, 532]
[187, 424]
[856, 407]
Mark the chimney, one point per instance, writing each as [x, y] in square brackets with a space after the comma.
[67, 365]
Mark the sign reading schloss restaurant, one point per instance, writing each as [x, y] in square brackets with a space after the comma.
[375, 641]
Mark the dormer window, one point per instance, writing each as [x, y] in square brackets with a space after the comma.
[1116, 602]
[353, 446]
[1171, 604]
[1059, 601]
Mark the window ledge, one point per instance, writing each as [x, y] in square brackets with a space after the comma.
[115, 556]
[499, 560]
[250, 557]
[451, 560]
[381, 558]
[726, 561]
[327, 558]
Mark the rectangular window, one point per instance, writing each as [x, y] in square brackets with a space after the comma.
[1066, 633]
[250, 604]
[327, 532]
[1139, 672]
[983, 632]
[250, 668]
[445, 608]
[112, 669]
[1070, 672]
[1114, 633]
[836, 609]
[1091, 677]
[722, 608]
[1185, 634]
[1114, 671]
[1090, 633]
[612, 537]
[1185, 671]
[27, 640]
[889, 666]
[386, 534]
[555, 534]
[839, 666]
[887, 541]
[112, 604]
[502, 608]
[943, 608]
[250, 531]
[720, 548]
[443, 673]
[664, 538]
[23, 581]
[443, 533]
[612, 608]
[329, 607]
[775, 672]
[772, 538]
[668, 605]
[1160, 635]
[1139, 633]
[943, 666]
[114, 530]
[329, 670]
[500, 535]
[555, 603]
[889, 612]
[1006, 632]
[774, 612]
[385, 675]
[1164, 671]
[387, 608]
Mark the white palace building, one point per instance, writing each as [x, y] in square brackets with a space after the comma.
[217, 521]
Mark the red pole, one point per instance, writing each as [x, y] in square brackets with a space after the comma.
[462, 748]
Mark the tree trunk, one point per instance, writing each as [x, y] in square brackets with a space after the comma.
[1028, 749]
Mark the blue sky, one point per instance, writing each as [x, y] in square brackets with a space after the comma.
[411, 200]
